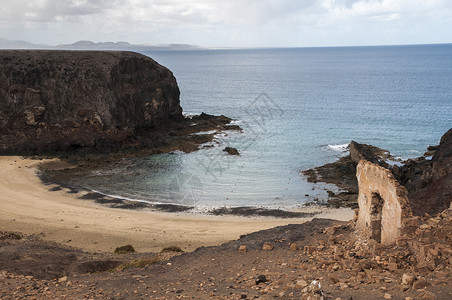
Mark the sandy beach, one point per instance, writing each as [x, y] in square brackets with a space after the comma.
[27, 206]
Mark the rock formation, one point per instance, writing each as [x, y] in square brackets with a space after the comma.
[62, 100]
[368, 152]
[342, 173]
[383, 203]
[429, 182]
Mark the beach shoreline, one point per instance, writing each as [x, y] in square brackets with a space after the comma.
[29, 206]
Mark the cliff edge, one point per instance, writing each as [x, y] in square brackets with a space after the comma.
[63, 100]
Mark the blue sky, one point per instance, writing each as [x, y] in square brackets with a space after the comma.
[233, 23]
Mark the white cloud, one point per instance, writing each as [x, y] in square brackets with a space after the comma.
[50, 11]
[227, 23]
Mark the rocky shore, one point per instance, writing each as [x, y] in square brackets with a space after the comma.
[428, 179]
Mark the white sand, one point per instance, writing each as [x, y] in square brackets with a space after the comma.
[27, 205]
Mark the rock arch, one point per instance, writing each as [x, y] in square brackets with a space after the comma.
[383, 203]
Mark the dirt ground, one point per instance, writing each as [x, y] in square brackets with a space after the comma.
[276, 263]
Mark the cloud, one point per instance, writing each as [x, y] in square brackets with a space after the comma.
[257, 12]
[249, 22]
[51, 11]
[352, 9]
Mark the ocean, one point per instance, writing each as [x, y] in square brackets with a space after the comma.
[299, 108]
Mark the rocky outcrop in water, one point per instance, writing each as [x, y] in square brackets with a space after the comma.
[62, 100]
[342, 173]
[428, 182]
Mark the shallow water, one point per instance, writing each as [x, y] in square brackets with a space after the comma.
[298, 108]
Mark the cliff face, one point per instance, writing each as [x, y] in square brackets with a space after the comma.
[61, 100]
[442, 160]
[433, 190]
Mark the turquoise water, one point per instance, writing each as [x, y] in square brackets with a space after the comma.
[298, 108]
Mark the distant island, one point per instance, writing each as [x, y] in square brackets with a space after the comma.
[89, 45]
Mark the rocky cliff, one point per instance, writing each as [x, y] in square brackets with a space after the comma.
[63, 100]
[430, 182]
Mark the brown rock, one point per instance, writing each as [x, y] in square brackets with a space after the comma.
[309, 249]
[301, 283]
[427, 295]
[402, 241]
[412, 221]
[330, 230]
[243, 248]
[370, 274]
[334, 278]
[392, 267]
[267, 246]
[338, 252]
[364, 264]
[420, 284]
[408, 279]
[293, 247]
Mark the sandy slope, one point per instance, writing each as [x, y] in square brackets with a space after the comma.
[27, 205]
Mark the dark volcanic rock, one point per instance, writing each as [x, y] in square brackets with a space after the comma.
[342, 173]
[429, 183]
[63, 100]
[231, 151]
[254, 211]
[368, 152]
[442, 159]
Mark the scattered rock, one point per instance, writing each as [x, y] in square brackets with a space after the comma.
[261, 279]
[243, 248]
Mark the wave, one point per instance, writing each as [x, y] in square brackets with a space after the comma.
[342, 148]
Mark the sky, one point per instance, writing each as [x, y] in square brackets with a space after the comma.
[229, 23]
